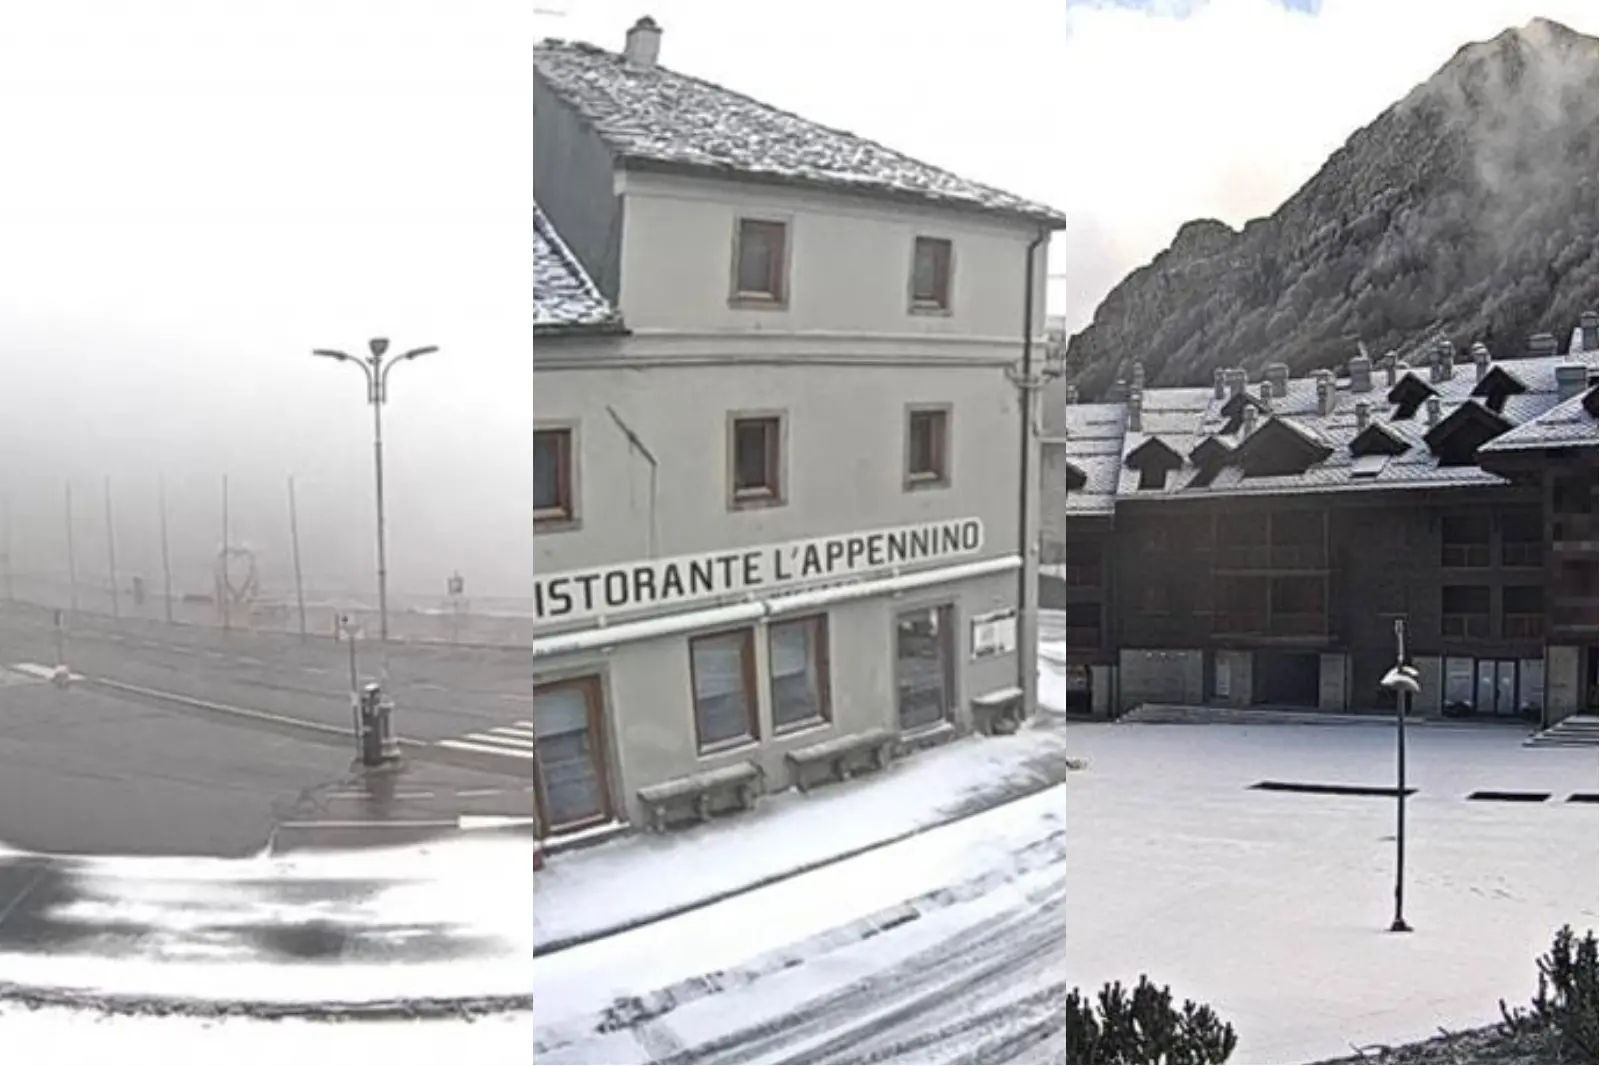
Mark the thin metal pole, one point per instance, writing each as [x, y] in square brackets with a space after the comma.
[377, 461]
[72, 557]
[166, 559]
[1402, 709]
[111, 554]
[223, 592]
[294, 538]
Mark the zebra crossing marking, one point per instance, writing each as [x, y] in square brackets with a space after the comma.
[513, 741]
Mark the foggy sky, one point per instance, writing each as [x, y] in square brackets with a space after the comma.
[196, 195]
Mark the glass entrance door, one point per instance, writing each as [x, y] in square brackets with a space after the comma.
[924, 667]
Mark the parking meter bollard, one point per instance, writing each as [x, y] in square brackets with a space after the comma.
[371, 744]
[388, 742]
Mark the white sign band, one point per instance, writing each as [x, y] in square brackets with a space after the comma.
[626, 588]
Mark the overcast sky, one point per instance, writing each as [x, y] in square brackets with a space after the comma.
[1132, 118]
[193, 196]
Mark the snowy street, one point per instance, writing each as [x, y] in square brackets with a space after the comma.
[941, 948]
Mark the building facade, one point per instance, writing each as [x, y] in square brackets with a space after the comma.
[779, 498]
[1254, 543]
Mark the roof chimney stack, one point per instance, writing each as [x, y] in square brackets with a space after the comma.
[643, 45]
[1589, 326]
[1444, 360]
[1542, 345]
[1136, 408]
[1237, 380]
[1391, 367]
[1363, 415]
[1219, 383]
[1433, 411]
[1248, 425]
[1072, 394]
[1326, 392]
[1361, 374]
[1266, 395]
[1571, 379]
[1278, 376]
[1480, 359]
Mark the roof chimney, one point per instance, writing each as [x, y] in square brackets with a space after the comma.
[1326, 393]
[1433, 410]
[1136, 408]
[1571, 379]
[1072, 394]
[1266, 395]
[1219, 383]
[643, 44]
[1361, 374]
[1248, 425]
[1589, 325]
[1444, 360]
[1138, 376]
[1237, 380]
[1278, 376]
[1391, 367]
[1542, 344]
[1363, 415]
[1480, 359]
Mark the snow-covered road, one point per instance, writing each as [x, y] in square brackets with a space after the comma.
[944, 948]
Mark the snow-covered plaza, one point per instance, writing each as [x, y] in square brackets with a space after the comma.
[1274, 907]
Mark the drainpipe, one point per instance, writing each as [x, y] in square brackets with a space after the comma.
[1027, 577]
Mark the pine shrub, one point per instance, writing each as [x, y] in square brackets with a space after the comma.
[1565, 1008]
[1144, 1027]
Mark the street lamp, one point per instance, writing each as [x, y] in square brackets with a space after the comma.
[376, 369]
[1403, 681]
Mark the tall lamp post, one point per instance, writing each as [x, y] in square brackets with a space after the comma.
[1403, 681]
[376, 368]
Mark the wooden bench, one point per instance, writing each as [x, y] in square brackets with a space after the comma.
[698, 792]
[839, 756]
[999, 711]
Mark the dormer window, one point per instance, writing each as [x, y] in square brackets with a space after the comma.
[760, 263]
[1455, 440]
[930, 274]
[1408, 394]
[1154, 460]
[1497, 385]
[1377, 439]
[1234, 410]
[1279, 449]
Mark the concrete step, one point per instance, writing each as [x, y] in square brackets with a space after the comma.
[1579, 731]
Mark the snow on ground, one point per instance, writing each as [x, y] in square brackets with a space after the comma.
[580, 893]
[59, 1035]
[309, 927]
[944, 947]
[1275, 907]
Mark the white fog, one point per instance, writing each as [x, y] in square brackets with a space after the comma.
[192, 202]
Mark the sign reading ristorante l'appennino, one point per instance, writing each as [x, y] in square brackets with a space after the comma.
[624, 588]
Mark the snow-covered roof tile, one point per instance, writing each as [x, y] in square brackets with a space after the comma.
[653, 115]
[565, 298]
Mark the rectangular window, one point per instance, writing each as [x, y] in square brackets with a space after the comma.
[723, 669]
[759, 261]
[757, 445]
[930, 274]
[927, 447]
[1522, 539]
[1466, 611]
[1465, 541]
[1523, 610]
[552, 475]
[924, 666]
[799, 667]
[569, 765]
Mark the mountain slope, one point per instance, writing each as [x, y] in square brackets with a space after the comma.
[1469, 207]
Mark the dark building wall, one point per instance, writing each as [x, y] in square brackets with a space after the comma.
[572, 181]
